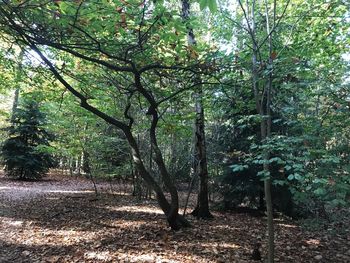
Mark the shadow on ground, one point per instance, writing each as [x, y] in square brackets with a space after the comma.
[63, 221]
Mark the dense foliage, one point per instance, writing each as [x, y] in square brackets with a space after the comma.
[124, 82]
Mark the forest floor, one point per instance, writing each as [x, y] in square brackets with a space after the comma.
[59, 219]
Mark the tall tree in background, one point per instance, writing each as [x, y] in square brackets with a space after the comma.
[262, 90]
[200, 166]
[265, 112]
[26, 153]
[18, 81]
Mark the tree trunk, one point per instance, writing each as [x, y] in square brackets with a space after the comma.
[14, 105]
[262, 101]
[71, 166]
[200, 156]
[267, 182]
[265, 133]
[175, 220]
[18, 84]
[86, 162]
[202, 207]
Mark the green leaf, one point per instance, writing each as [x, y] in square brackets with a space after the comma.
[320, 191]
[279, 182]
[203, 4]
[213, 7]
[276, 159]
[298, 176]
[63, 7]
[238, 167]
[264, 175]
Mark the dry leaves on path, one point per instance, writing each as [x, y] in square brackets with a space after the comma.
[59, 220]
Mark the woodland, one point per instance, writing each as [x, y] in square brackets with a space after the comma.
[174, 131]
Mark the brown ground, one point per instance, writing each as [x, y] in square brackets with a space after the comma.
[59, 220]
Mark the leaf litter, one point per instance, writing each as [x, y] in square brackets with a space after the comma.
[61, 220]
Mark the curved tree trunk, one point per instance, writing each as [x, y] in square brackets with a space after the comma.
[175, 220]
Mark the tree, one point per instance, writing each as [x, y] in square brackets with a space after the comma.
[125, 60]
[200, 165]
[26, 151]
[262, 96]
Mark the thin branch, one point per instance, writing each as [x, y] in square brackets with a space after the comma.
[185, 89]
[250, 31]
[275, 25]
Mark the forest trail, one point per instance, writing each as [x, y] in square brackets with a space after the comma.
[60, 220]
[25, 191]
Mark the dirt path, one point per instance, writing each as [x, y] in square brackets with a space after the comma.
[19, 191]
[60, 220]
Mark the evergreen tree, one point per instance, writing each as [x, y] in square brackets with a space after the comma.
[25, 152]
